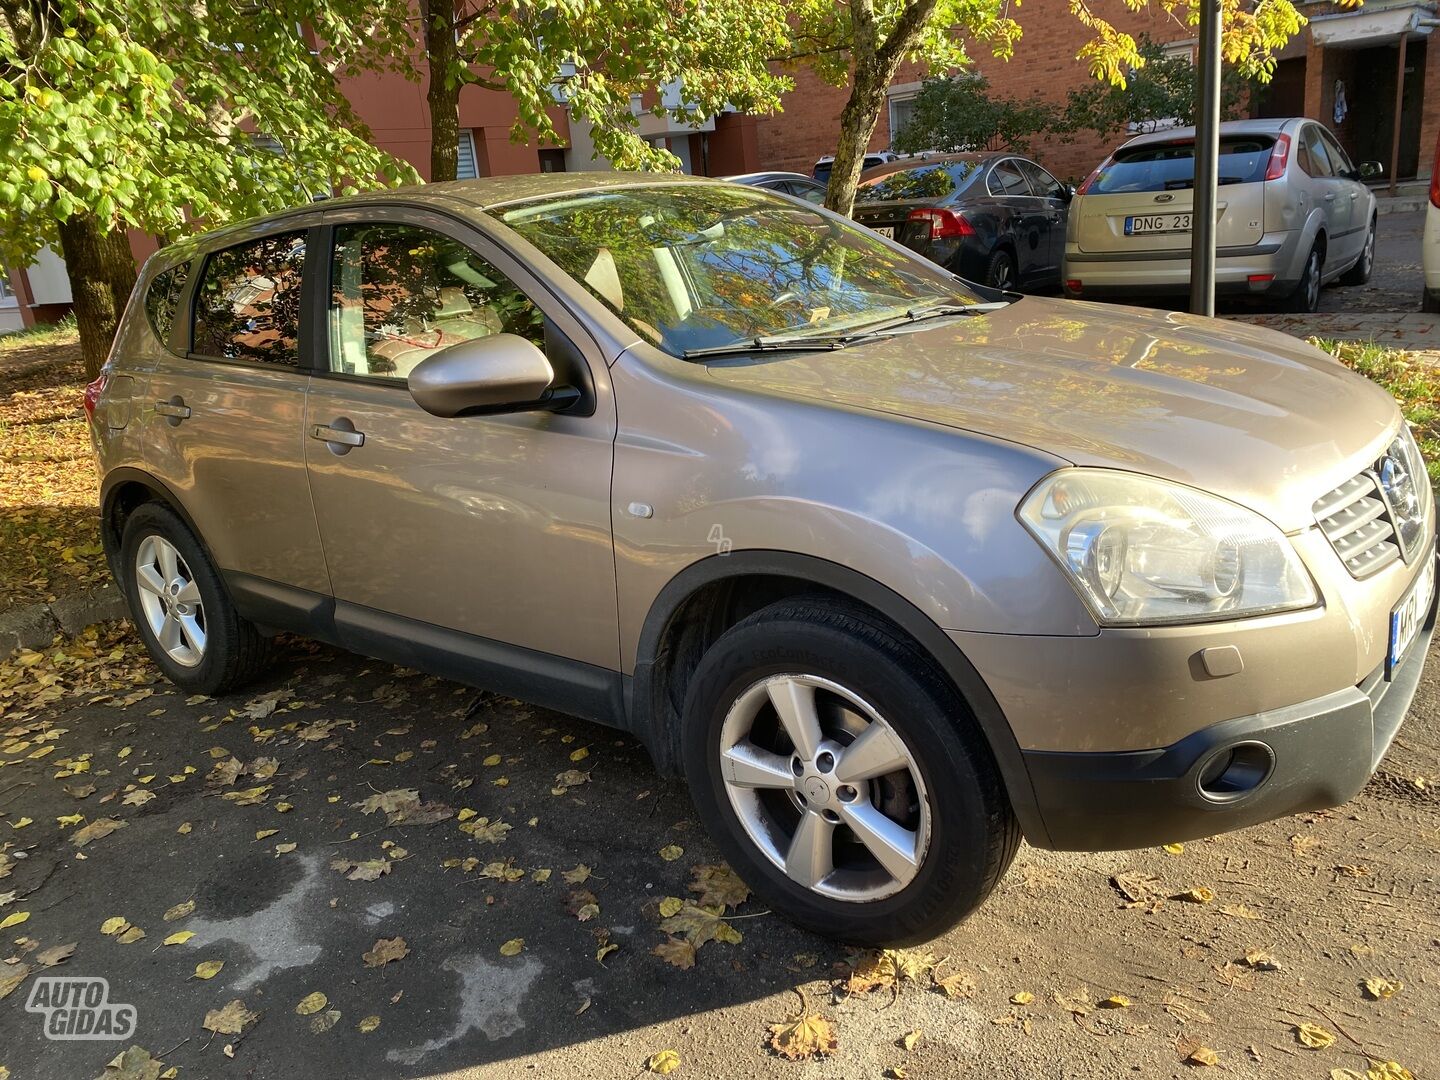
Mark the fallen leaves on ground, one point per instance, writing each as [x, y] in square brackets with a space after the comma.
[136, 1063]
[96, 830]
[179, 911]
[402, 806]
[208, 969]
[1198, 895]
[717, 885]
[233, 1019]
[1380, 989]
[385, 951]
[8, 983]
[664, 1062]
[312, 1003]
[55, 954]
[368, 1024]
[887, 969]
[1314, 1036]
[513, 947]
[364, 870]
[671, 852]
[803, 1037]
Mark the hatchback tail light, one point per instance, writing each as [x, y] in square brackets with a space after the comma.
[1279, 158]
[1090, 180]
[943, 223]
[92, 394]
[1435, 176]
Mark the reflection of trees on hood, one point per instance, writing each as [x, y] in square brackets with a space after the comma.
[751, 264]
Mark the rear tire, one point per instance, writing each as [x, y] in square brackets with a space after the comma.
[1306, 297]
[903, 853]
[1430, 301]
[181, 608]
[1359, 274]
[1000, 271]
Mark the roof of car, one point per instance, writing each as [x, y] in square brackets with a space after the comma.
[757, 177]
[919, 162]
[482, 193]
[1267, 126]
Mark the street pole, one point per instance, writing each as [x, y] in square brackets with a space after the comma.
[1207, 161]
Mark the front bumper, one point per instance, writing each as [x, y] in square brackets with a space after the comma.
[1271, 267]
[1308, 756]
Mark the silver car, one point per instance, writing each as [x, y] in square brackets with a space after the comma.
[891, 573]
[1293, 215]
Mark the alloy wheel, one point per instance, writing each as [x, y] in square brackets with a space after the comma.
[825, 787]
[1312, 282]
[170, 600]
[1000, 274]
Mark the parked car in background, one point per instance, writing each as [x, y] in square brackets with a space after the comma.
[994, 218]
[891, 573]
[878, 157]
[1293, 214]
[1431, 256]
[787, 183]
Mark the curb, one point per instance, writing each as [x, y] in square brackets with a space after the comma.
[35, 626]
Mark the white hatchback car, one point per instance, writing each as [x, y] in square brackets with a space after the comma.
[1293, 215]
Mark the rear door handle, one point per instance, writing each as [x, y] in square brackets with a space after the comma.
[1330, 197]
[337, 436]
[175, 409]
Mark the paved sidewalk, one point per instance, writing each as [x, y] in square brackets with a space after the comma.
[1412, 330]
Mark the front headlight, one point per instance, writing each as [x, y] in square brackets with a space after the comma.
[1145, 551]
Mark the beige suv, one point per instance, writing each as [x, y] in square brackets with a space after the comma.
[894, 572]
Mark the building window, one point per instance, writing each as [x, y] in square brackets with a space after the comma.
[552, 159]
[465, 167]
[902, 110]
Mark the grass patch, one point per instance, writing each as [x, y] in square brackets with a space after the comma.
[61, 333]
[49, 522]
[1414, 384]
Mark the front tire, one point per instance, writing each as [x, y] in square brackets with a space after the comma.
[181, 609]
[843, 777]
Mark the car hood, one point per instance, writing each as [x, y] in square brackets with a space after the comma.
[1244, 412]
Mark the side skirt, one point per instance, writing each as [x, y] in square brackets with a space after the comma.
[543, 679]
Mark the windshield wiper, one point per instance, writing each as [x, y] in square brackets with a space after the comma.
[915, 315]
[773, 343]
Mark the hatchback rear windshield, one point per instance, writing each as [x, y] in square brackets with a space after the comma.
[1170, 166]
[921, 182]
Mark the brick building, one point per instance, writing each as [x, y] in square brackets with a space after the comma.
[1355, 49]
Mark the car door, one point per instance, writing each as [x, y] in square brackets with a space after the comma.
[1352, 192]
[1332, 195]
[224, 412]
[1056, 199]
[493, 529]
[1028, 223]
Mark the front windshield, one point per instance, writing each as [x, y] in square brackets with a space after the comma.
[704, 266]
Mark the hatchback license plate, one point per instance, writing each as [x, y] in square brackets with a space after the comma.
[1409, 614]
[887, 231]
[1153, 223]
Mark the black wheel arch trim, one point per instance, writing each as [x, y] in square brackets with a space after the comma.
[114, 480]
[642, 692]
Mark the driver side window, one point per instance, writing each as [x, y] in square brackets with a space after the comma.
[400, 294]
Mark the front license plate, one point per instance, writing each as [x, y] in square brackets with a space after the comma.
[1409, 614]
[887, 231]
[1153, 223]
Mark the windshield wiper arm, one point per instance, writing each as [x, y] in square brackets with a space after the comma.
[917, 314]
[774, 343]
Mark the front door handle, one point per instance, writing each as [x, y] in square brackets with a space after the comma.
[174, 410]
[340, 436]
[1330, 197]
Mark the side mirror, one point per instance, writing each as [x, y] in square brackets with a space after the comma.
[501, 373]
[1067, 192]
[1371, 170]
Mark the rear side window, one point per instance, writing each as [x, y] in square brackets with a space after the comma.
[921, 182]
[248, 304]
[1006, 179]
[162, 300]
[1170, 166]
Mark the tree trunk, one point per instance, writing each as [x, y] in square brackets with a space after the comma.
[443, 96]
[101, 268]
[857, 125]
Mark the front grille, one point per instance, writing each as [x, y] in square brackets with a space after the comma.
[1356, 520]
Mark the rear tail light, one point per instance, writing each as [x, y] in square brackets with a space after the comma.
[943, 223]
[1090, 180]
[92, 394]
[1435, 176]
[1279, 158]
[1072, 285]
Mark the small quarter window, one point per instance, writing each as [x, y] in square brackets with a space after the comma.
[248, 304]
[162, 300]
